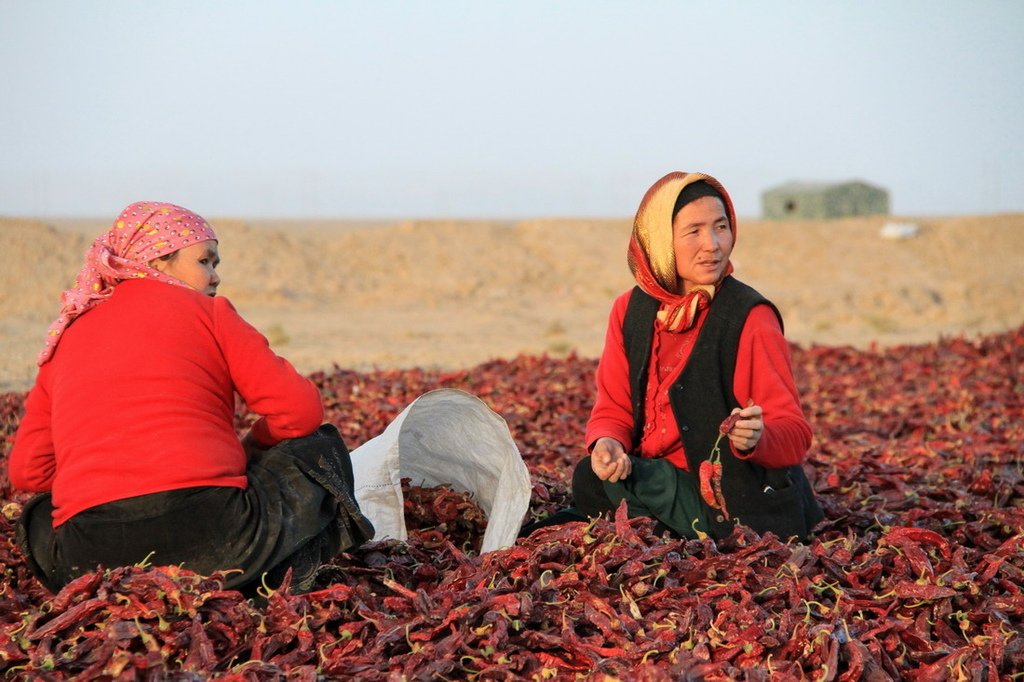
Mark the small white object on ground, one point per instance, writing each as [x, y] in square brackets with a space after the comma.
[899, 230]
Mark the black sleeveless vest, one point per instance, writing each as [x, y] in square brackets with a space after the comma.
[777, 500]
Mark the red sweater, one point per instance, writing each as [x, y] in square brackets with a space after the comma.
[140, 395]
[763, 373]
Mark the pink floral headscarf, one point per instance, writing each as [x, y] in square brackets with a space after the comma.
[144, 231]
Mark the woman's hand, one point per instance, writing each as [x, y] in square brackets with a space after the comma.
[747, 431]
[609, 460]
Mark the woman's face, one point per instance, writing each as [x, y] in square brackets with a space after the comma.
[702, 241]
[195, 265]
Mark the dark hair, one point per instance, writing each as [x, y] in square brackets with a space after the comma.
[693, 191]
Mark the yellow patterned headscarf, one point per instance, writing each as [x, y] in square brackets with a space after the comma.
[651, 256]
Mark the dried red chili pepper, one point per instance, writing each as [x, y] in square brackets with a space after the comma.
[71, 618]
[919, 535]
[716, 485]
[726, 426]
[908, 589]
[709, 474]
[707, 492]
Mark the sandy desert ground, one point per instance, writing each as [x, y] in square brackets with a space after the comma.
[453, 294]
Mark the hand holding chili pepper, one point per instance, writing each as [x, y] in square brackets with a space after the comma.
[609, 460]
[747, 430]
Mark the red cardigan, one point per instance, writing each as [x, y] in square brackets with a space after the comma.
[140, 397]
[763, 373]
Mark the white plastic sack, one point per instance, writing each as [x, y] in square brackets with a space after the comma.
[444, 437]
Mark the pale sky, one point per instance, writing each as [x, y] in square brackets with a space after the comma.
[377, 109]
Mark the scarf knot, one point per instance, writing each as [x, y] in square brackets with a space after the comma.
[680, 315]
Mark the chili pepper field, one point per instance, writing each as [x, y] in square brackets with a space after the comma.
[917, 571]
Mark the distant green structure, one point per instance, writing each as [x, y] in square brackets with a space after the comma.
[824, 200]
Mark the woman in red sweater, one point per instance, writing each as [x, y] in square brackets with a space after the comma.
[686, 348]
[129, 437]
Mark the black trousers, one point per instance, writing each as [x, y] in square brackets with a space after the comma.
[590, 499]
[298, 511]
[588, 491]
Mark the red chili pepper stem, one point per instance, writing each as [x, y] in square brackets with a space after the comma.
[716, 452]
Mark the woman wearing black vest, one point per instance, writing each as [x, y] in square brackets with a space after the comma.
[686, 348]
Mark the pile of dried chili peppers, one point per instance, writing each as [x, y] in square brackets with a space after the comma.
[917, 571]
